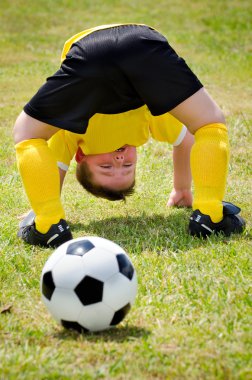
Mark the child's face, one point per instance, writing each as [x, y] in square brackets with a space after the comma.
[115, 170]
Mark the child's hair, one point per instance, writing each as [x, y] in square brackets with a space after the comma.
[84, 176]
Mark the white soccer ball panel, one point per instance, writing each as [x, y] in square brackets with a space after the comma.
[53, 259]
[119, 290]
[64, 304]
[96, 317]
[47, 304]
[100, 264]
[69, 271]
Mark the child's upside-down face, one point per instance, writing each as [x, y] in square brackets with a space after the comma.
[115, 170]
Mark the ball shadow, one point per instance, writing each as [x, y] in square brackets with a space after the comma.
[117, 334]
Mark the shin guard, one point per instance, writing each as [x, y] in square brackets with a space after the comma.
[40, 176]
[209, 165]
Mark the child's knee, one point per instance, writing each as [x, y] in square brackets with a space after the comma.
[215, 119]
[218, 116]
[26, 128]
[20, 133]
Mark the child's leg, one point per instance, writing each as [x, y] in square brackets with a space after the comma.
[38, 170]
[210, 153]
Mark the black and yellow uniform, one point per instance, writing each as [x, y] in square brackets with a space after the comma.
[113, 69]
[106, 133]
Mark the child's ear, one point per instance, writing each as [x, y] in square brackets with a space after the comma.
[79, 155]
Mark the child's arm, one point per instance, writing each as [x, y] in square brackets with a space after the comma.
[181, 194]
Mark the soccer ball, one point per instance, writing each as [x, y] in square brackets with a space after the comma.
[88, 284]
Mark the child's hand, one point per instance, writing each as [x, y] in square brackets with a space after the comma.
[180, 198]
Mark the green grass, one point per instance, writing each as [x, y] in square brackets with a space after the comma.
[192, 317]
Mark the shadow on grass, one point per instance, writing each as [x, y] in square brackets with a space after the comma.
[136, 234]
[118, 334]
[156, 233]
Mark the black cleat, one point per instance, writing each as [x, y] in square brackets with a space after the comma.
[201, 225]
[58, 234]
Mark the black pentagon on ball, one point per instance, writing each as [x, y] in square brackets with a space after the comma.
[125, 266]
[89, 290]
[74, 326]
[48, 285]
[79, 248]
[120, 314]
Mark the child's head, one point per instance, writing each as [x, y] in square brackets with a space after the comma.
[108, 175]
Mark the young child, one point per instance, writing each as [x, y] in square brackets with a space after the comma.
[91, 145]
[112, 70]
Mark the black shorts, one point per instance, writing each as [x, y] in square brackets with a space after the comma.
[111, 71]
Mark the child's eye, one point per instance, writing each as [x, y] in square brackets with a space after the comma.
[127, 165]
[105, 166]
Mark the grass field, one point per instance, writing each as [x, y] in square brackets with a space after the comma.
[192, 317]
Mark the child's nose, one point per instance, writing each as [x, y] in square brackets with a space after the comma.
[119, 157]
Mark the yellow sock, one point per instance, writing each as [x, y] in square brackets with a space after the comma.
[209, 165]
[40, 177]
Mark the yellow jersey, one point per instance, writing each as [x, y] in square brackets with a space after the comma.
[108, 132]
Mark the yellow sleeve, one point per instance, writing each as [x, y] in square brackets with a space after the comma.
[167, 128]
[64, 145]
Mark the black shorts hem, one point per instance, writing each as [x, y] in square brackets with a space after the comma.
[176, 102]
[72, 127]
